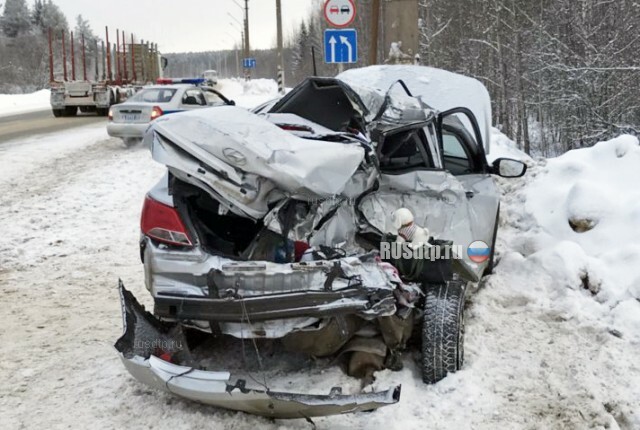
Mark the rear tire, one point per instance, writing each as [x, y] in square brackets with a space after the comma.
[70, 111]
[57, 112]
[443, 330]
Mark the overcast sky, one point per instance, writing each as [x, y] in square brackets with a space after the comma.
[189, 25]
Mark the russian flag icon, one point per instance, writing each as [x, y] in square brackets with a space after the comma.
[478, 252]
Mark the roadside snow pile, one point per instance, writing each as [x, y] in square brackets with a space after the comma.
[248, 94]
[553, 336]
[13, 104]
[503, 147]
[231, 88]
[582, 230]
[260, 87]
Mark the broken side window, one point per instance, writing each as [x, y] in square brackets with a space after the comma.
[405, 150]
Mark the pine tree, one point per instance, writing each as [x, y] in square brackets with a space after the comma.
[15, 19]
[300, 53]
[52, 17]
[36, 14]
[83, 27]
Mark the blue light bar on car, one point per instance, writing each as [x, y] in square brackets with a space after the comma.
[193, 81]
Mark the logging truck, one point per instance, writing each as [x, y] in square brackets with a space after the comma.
[109, 73]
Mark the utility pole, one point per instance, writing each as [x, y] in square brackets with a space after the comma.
[400, 19]
[247, 46]
[375, 29]
[237, 62]
[280, 43]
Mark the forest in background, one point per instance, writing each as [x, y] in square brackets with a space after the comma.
[562, 73]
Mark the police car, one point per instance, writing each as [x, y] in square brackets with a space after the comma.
[129, 120]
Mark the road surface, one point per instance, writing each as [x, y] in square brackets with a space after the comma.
[28, 124]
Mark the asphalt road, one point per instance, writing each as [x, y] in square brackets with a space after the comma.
[28, 124]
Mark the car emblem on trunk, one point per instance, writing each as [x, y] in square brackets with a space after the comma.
[234, 157]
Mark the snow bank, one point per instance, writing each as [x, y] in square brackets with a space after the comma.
[503, 147]
[562, 306]
[585, 214]
[13, 104]
[248, 93]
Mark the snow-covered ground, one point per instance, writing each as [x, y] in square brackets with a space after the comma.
[14, 104]
[552, 337]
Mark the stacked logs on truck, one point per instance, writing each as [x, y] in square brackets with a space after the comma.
[123, 63]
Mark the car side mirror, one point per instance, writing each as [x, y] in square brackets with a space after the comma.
[232, 103]
[509, 168]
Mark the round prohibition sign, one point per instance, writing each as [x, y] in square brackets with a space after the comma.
[340, 13]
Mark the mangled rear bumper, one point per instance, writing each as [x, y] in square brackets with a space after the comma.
[276, 306]
[145, 339]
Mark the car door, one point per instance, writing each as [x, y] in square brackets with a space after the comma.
[412, 177]
[193, 98]
[463, 156]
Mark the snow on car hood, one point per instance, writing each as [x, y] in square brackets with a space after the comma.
[440, 89]
[237, 141]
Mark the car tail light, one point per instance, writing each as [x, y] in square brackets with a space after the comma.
[156, 112]
[294, 127]
[163, 223]
[110, 114]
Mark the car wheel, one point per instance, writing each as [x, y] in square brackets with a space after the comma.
[58, 112]
[443, 330]
[489, 269]
[70, 110]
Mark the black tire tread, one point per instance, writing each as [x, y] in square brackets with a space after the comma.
[443, 330]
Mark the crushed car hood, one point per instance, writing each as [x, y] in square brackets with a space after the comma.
[440, 89]
[241, 157]
[145, 340]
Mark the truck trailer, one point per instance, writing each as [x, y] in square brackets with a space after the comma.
[117, 73]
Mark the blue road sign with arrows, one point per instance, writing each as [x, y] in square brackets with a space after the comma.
[340, 46]
[249, 63]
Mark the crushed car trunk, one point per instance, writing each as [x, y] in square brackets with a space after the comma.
[250, 167]
[157, 354]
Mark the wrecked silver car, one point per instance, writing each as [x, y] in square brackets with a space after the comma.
[270, 225]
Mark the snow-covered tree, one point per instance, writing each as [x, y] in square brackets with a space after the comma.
[36, 13]
[52, 17]
[83, 27]
[300, 53]
[15, 18]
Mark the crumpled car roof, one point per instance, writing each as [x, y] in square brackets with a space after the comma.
[440, 89]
